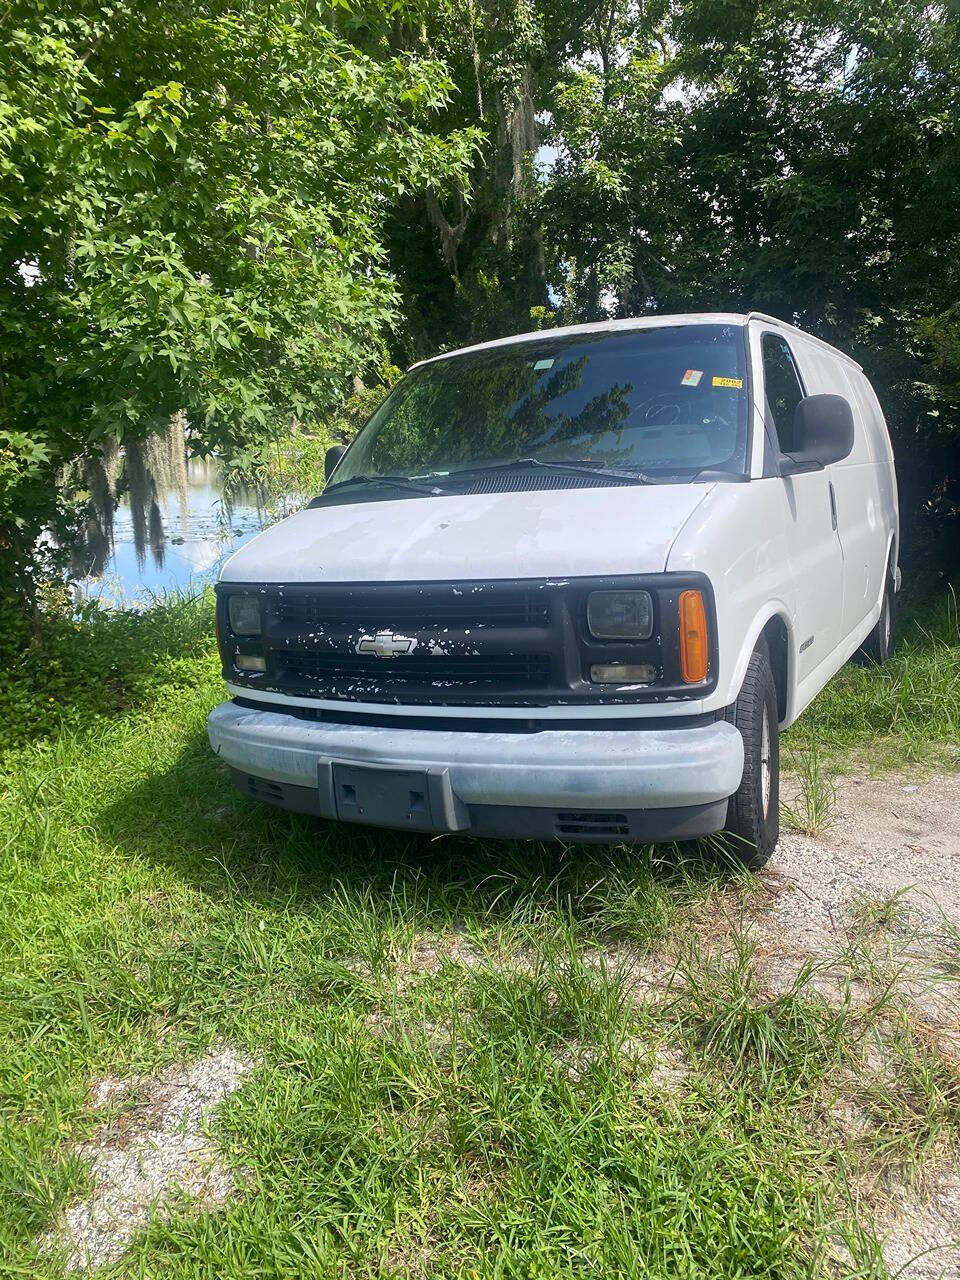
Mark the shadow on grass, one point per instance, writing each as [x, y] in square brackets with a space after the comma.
[191, 820]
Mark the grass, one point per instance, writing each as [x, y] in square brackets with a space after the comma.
[814, 806]
[905, 712]
[95, 664]
[454, 1073]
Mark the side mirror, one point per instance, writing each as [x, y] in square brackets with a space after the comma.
[331, 458]
[823, 433]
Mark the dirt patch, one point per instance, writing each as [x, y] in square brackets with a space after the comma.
[921, 1237]
[888, 837]
[871, 909]
[878, 892]
[428, 953]
[147, 1154]
[670, 1070]
[647, 977]
[435, 1036]
[431, 951]
[661, 1068]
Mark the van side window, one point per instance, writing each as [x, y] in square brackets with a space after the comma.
[782, 386]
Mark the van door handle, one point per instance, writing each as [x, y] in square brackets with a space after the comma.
[833, 504]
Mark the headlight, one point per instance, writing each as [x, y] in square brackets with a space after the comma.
[620, 615]
[244, 615]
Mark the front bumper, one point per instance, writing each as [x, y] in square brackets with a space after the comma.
[660, 784]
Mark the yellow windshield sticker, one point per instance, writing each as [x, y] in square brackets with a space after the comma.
[728, 382]
[691, 378]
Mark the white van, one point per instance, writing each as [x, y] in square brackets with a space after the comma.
[569, 585]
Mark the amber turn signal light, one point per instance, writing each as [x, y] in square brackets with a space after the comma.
[694, 645]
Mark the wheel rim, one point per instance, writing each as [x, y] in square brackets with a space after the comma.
[766, 776]
[886, 622]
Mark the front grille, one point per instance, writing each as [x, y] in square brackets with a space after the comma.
[454, 640]
[460, 607]
[525, 670]
[520, 643]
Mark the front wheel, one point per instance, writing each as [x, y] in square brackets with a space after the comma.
[753, 813]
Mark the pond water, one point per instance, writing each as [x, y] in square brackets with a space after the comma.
[200, 531]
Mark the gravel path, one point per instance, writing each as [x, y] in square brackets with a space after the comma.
[886, 869]
[884, 877]
[154, 1149]
[887, 836]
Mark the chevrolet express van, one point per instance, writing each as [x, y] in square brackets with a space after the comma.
[569, 585]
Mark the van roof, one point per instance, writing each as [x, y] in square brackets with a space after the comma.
[641, 322]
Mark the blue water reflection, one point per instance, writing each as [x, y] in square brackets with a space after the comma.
[200, 533]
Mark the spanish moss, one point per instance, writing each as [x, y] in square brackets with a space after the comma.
[141, 492]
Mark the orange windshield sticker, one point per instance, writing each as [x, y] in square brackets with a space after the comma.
[728, 382]
[691, 378]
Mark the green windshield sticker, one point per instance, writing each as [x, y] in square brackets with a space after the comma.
[543, 364]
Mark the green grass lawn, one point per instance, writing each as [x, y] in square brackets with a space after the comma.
[454, 1073]
[906, 712]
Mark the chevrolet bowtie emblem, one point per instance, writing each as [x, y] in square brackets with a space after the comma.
[386, 645]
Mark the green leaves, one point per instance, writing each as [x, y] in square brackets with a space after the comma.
[191, 212]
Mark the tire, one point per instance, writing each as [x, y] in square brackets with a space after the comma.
[881, 644]
[753, 812]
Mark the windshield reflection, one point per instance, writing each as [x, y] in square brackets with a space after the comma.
[668, 400]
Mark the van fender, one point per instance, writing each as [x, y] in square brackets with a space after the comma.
[896, 569]
[772, 609]
[877, 606]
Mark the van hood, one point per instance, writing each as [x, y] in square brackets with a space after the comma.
[542, 534]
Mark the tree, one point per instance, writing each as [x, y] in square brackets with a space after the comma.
[233, 209]
[471, 261]
[801, 158]
[192, 199]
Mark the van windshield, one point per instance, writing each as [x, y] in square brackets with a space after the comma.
[665, 403]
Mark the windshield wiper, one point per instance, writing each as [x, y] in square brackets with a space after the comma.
[393, 482]
[575, 467]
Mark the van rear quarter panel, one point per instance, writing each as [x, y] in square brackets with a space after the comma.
[883, 455]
